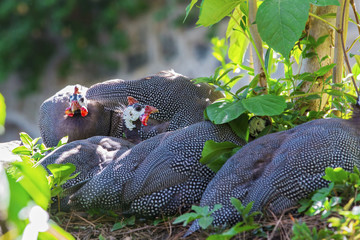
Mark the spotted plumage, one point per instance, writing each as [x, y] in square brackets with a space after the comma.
[180, 103]
[177, 98]
[157, 176]
[277, 170]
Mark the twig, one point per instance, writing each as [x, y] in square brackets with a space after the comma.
[321, 19]
[355, 13]
[67, 224]
[277, 224]
[84, 220]
[344, 50]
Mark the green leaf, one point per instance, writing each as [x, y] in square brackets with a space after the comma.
[280, 23]
[189, 7]
[205, 222]
[334, 92]
[238, 41]
[35, 183]
[224, 111]
[325, 2]
[186, 218]
[118, 225]
[61, 172]
[265, 105]
[22, 150]
[203, 211]
[63, 141]
[26, 140]
[2, 111]
[323, 70]
[212, 11]
[215, 154]
[241, 126]
[56, 232]
[337, 175]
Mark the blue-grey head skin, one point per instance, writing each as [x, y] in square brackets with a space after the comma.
[157, 176]
[180, 103]
[55, 124]
[279, 169]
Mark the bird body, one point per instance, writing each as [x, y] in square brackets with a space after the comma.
[157, 176]
[277, 170]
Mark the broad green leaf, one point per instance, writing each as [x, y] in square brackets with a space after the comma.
[325, 2]
[212, 11]
[265, 105]
[205, 222]
[189, 7]
[2, 111]
[238, 46]
[280, 23]
[21, 150]
[215, 154]
[224, 111]
[337, 175]
[35, 183]
[241, 126]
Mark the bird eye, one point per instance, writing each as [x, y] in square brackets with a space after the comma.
[82, 99]
[138, 108]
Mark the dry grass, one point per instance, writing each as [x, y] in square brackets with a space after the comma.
[85, 227]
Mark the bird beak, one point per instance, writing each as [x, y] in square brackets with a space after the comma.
[145, 117]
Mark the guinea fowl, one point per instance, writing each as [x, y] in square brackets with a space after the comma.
[157, 176]
[279, 169]
[180, 103]
[178, 99]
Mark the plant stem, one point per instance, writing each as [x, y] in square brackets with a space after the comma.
[303, 95]
[344, 50]
[321, 19]
[355, 13]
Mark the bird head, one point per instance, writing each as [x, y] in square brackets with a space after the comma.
[136, 111]
[77, 102]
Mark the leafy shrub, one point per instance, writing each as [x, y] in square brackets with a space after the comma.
[27, 191]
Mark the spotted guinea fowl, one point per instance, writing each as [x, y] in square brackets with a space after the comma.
[279, 169]
[98, 110]
[177, 98]
[157, 176]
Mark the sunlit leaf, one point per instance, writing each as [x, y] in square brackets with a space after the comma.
[280, 23]
[265, 105]
[212, 11]
[224, 111]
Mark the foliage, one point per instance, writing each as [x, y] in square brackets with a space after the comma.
[28, 191]
[2, 114]
[79, 29]
[201, 213]
[246, 224]
[282, 98]
[125, 222]
[337, 203]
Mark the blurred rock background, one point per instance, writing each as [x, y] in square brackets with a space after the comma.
[46, 45]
